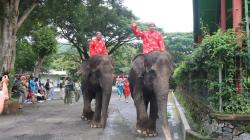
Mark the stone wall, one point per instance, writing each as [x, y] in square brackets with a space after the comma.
[227, 129]
[221, 126]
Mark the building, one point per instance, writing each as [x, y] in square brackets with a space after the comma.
[53, 75]
[216, 14]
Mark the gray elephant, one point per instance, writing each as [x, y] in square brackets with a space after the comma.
[97, 84]
[149, 83]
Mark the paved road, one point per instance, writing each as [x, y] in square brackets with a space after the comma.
[53, 120]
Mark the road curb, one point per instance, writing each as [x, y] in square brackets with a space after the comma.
[185, 125]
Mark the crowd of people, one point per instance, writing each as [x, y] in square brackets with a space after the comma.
[29, 89]
[122, 85]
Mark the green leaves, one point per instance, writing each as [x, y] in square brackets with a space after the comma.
[25, 57]
[78, 20]
[179, 44]
[122, 58]
[218, 50]
[220, 47]
[44, 41]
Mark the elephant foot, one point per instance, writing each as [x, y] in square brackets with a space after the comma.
[141, 131]
[95, 125]
[152, 133]
[87, 116]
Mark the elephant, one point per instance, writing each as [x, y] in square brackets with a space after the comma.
[149, 83]
[96, 84]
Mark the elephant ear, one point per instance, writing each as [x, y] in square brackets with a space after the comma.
[84, 68]
[138, 64]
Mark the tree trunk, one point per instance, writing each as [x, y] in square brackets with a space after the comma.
[8, 35]
[38, 66]
[9, 24]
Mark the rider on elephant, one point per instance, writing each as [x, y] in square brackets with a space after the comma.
[97, 46]
[149, 82]
[97, 81]
[152, 40]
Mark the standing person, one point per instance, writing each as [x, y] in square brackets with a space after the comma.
[4, 94]
[120, 88]
[126, 90]
[62, 89]
[18, 89]
[24, 88]
[47, 87]
[52, 92]
[77, 90]
[33, 88]
[152, 40]
[97, 46]
[69, 89]
[38, 83]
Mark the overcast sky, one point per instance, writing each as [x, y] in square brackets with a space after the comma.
[171, 15]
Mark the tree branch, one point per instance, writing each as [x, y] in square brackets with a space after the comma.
[117, 46]
[71, 40]
[26, 14]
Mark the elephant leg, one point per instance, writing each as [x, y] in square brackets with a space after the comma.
[142, 117]
[146, 101]
[87, 111]
[152, 117]
[96, 122]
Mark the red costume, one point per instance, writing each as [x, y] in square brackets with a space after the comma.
[126, 90]
[97, 47]
[151, 40]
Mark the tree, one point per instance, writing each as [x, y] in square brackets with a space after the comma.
[25, 57]
[67, 58]
[12, 15]
[122, 58]
[77, 21]
[43, 45]
[180, 45]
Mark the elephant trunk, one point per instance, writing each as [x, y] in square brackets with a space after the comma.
[105, 103]
[162, 98]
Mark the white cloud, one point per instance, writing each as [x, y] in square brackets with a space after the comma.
[171, 15]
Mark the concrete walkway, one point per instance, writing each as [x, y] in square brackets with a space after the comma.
[52, 120]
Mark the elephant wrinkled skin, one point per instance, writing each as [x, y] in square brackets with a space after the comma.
[97, 84]
[149, 83]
